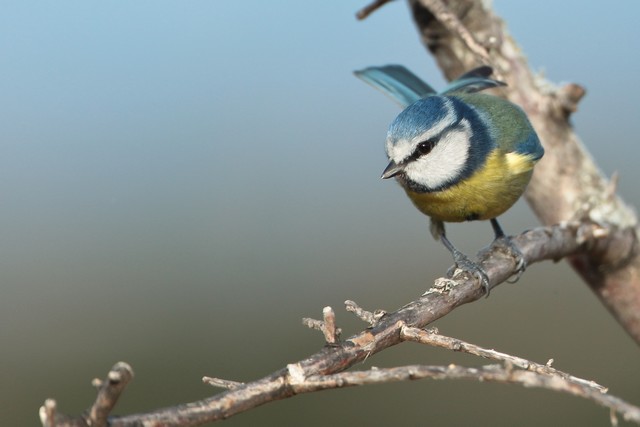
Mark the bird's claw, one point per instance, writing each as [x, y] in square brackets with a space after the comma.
[506, 244]
[464, 263]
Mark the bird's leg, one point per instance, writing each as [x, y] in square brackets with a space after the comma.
[505, 242]
[463, 262]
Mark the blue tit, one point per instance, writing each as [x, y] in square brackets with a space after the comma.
[460, 155]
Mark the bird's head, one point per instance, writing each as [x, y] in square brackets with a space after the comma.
[435, 143]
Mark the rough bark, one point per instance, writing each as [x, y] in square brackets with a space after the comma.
[567, 185]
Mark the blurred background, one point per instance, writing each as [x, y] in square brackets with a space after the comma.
[182, 182]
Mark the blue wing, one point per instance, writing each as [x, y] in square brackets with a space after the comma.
[473, 81]
[397, 82]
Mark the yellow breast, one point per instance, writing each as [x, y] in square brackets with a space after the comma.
[486, 194]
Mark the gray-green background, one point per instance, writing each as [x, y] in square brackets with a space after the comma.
[182, 182]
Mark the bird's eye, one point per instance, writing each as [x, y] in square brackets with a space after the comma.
[425, 147]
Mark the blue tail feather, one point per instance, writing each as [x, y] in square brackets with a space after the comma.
[397, 82]
[473, 81]
[483, 71]
[405, 88]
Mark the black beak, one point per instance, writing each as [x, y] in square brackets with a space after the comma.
[392, 170]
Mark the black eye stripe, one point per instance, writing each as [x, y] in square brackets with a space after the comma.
[423, 148]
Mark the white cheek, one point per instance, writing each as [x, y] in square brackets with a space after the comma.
[445, 162]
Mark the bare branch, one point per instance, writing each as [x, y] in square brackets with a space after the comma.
[218, 382]
[313, 323]
[364, 315]
[567, 185]
[452, 23]
[331, 333]
[437, 340]
[370, 8]
[327, 326]
[48, 413]
[109, 392]
[536, 245]
[491, 373]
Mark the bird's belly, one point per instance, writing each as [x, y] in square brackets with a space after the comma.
[485, 195]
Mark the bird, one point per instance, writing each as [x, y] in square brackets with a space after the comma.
[460, 155]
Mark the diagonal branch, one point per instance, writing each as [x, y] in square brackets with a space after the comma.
[452, 23]
[454, 344]
[488, 373]
[370, 8]
[544, 243]
[567, 185]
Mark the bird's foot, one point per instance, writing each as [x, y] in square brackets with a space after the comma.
[506, 245]
[464, 263]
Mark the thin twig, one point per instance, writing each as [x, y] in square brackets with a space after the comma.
[366, 316]
[48, 413]
[327, 326]
[492, 373]
[370, 8]
[109, 392]
[312, 323]
[220, 383]
[454, 344]
[331, 333]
